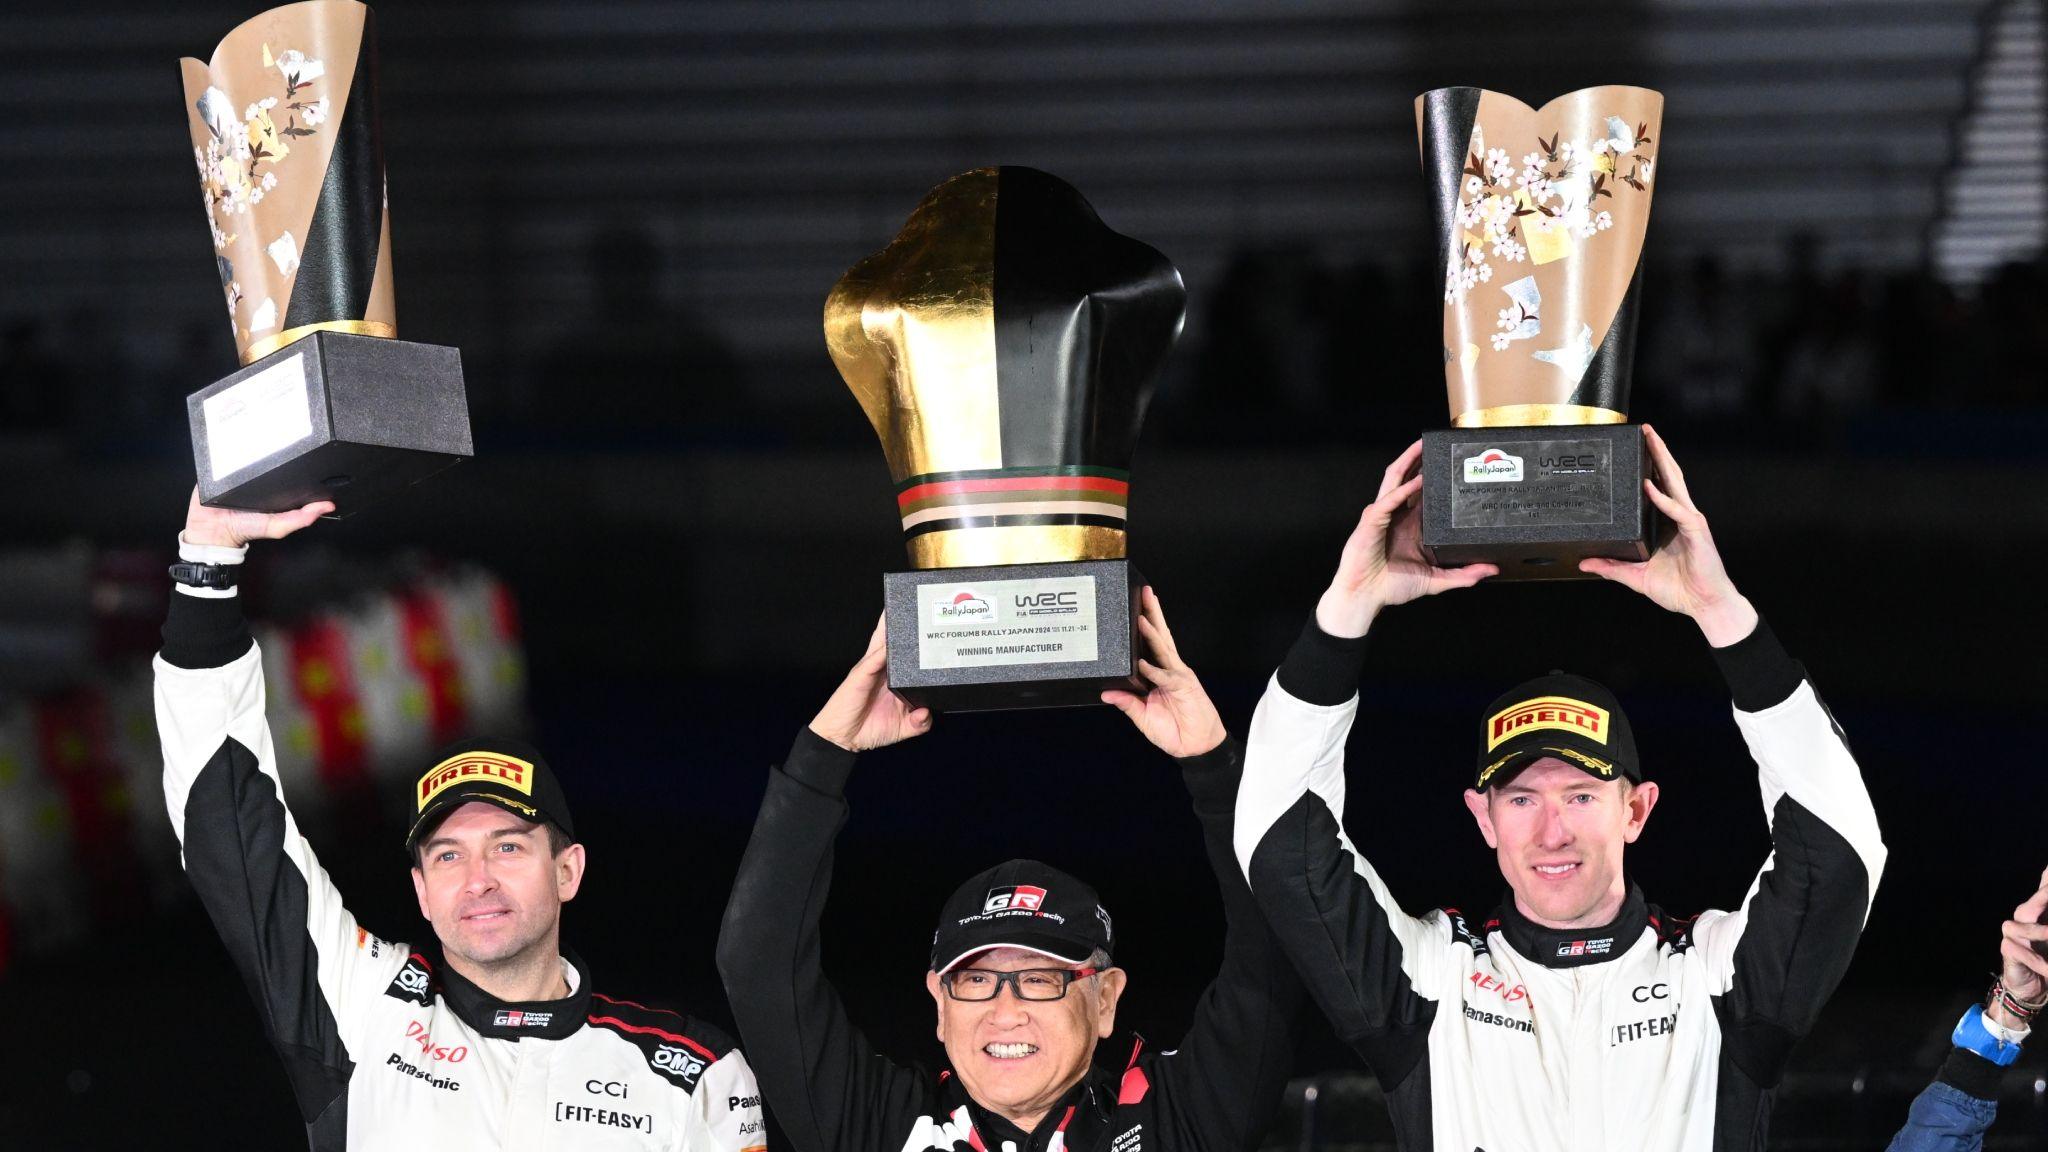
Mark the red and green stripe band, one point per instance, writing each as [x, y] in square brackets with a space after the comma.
[1003, 497]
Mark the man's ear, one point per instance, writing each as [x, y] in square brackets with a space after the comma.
[569, 872]
[1110, 984]
[419, 890]
[938, 991]
[1475, 803]
[1641, 799]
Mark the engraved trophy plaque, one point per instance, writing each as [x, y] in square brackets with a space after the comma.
[1004, 346]
[329, 404]
[1540, 217]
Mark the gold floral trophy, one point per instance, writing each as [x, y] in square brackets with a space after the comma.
[1540, 219]
[1004, 346]
[329, 404]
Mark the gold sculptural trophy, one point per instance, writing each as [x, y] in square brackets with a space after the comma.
[1004, 346]
[1540, 218]
[329, 404]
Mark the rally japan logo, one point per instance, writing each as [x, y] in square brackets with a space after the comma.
[1493, 466]
[1014, 898]
[965, 605]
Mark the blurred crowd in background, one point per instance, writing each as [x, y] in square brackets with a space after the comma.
[360, 687]
[1767, 358]
[669, 546]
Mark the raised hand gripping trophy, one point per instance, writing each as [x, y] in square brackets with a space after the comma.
[1004, 346]
[1540, 219]
[329, 403]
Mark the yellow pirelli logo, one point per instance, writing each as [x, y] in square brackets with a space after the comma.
[509, 771]
[1561, 713]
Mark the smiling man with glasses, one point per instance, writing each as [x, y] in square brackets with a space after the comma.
[1021, 976]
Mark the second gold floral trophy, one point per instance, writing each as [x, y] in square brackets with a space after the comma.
[329, 404]
[1540, 219]
[1004, 346]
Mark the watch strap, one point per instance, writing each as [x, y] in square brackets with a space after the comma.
[1973, 1035]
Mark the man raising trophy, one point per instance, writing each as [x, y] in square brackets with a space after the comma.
[1023, 976]
[1576, 1014]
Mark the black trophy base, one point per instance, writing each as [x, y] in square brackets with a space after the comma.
[1012, 636]
[333, 416]
[1536, 501]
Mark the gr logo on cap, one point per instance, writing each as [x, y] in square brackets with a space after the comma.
[505, 772]
[1561, 716]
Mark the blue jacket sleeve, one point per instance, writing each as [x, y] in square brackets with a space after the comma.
[1951, 1114]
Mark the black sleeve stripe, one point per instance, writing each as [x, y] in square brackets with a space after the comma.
[1802, 929]
[1341, 941]
[203, 632]
[1759, 672]
[234, 854]
[1322, 669]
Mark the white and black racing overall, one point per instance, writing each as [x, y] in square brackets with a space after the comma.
[385, 1047]
[1648, 1034]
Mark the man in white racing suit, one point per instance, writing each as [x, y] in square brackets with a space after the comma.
[1578, 1017]
[493, 1038]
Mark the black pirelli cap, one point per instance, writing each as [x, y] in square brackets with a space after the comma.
[496, 770]
[1558, 715]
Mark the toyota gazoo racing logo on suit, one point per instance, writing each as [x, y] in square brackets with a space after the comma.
[1014, 898]
[1585, 947]
[681, 1063]
[509, 1018]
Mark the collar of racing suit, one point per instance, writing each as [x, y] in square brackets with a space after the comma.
[1571, 947]
[1080, 1117]
[517, 1019]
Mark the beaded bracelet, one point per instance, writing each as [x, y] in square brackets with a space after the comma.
[2017, 1007]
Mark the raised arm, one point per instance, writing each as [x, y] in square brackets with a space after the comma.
[1952, 1113]
[1222, 1085]
[307, 964]
[828, 1088]
[1777, 959]
[1367, 964]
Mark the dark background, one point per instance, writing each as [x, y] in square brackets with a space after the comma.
[627, 216]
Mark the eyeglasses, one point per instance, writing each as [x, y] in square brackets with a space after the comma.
[976, 984]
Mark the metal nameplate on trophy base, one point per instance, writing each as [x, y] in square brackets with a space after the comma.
[1536, 500]
[352, 419]
[1013, 635]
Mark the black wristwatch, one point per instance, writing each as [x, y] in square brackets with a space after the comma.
[218, 576]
